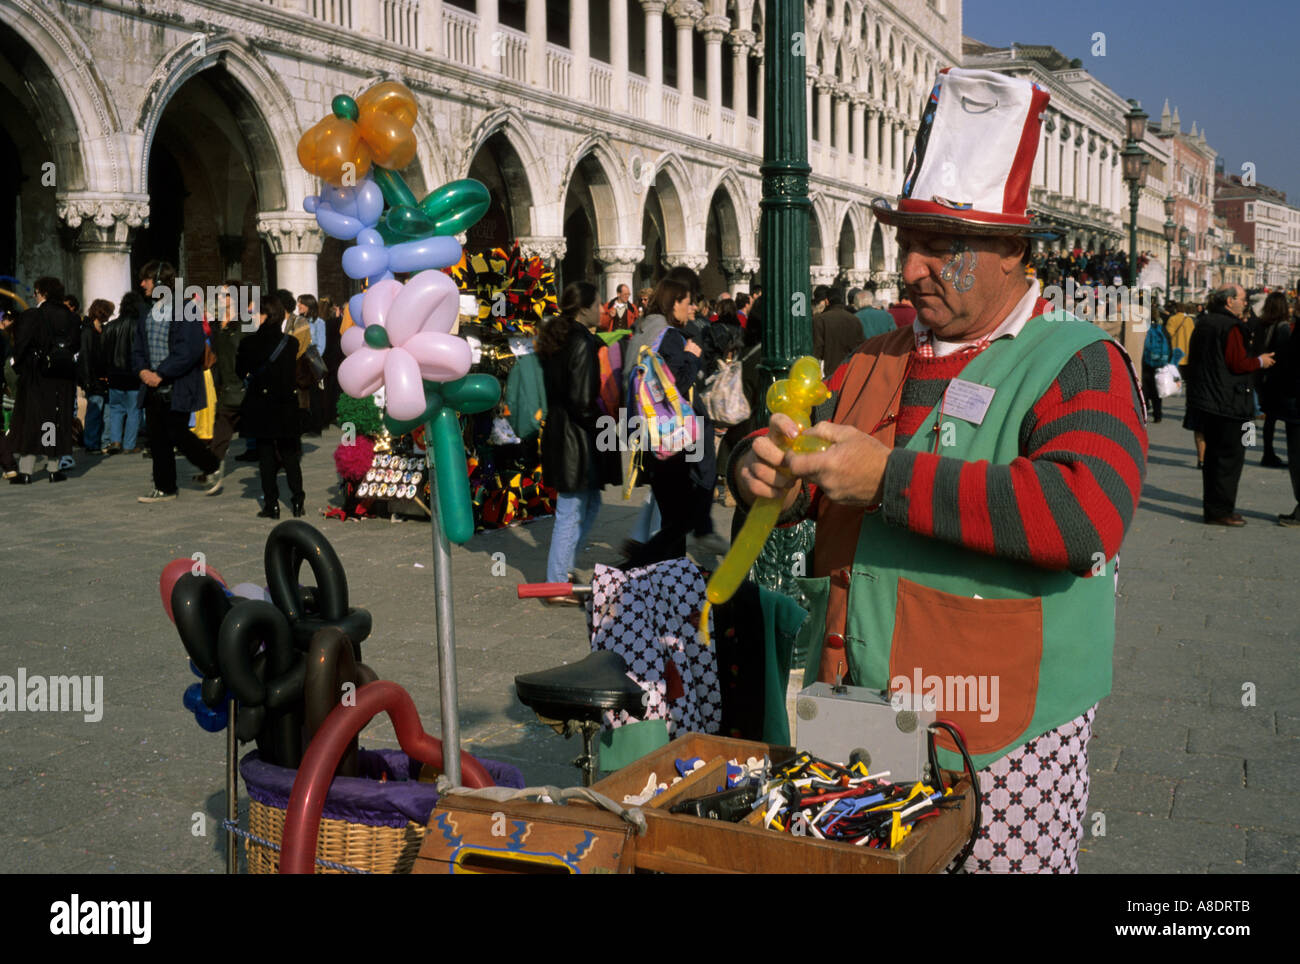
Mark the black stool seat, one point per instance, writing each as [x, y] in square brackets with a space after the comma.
[582, 690]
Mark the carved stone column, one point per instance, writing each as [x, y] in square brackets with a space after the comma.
[296, 241]
[714, 28]
[654, 57]
[824, 274]
[105, 226]
[549, 249]
[696, 261]
[741, 42]
[738, 271]
[617, 266]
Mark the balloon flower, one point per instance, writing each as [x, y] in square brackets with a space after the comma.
[404, 343]
[376, 128]
[796, 397]
[406, 348]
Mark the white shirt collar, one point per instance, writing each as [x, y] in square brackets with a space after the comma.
[1010, 327]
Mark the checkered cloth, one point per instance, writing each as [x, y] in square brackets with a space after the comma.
[1033, 804]
[925, 343]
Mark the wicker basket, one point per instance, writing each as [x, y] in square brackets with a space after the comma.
[366, 824]
[381, 850]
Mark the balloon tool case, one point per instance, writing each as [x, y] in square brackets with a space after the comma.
[678, 843]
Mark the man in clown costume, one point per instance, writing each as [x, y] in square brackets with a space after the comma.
[987, 461]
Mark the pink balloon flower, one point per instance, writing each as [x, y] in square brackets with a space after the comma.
[405, 342]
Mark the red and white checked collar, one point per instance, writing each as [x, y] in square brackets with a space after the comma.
[1027, 307]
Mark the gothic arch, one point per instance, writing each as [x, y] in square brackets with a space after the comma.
[72, 100]
[729, 182]
[673, 186]
[261, 105]
[608, 191]
[819, 230]
[509, 122]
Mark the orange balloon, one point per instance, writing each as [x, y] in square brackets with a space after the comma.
[330, 147]
[390, 97]
[347, 320]
[391, 142]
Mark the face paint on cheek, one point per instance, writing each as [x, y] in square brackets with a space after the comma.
[959, 270]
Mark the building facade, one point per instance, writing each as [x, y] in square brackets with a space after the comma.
[1191, 179]
[619, 138]
[1265, 223]
[1077, 185]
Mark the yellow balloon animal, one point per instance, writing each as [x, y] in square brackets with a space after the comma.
[796, 397]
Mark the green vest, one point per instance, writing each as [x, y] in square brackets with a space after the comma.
[1034, 650]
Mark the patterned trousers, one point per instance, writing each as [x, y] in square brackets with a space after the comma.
[1033, 804]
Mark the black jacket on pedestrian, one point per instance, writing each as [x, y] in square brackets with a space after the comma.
[92, 365]
[1284, 383]
[43, 401]
[1213, 386]
[270, 406]
[118, 341]
[230, 387]
[571, 460]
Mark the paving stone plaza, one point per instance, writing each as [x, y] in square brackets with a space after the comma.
[1185, 778]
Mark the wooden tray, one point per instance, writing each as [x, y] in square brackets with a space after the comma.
[475, 836]
[676, 843]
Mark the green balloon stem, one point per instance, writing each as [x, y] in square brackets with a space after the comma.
[393, 187]
[452, 474]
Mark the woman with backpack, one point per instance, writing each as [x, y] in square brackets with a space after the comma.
[45, 350]
[572, 461]
[682, 484]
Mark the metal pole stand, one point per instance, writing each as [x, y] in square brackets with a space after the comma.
[232, 790]
[446, 633]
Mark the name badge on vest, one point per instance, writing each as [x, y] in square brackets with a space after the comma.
[967, 400]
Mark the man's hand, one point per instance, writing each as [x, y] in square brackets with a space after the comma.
[693, 348]
[151, 379]
[850, 472]
[1267, 360]
[760, 474]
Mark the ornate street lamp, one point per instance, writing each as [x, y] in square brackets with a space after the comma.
[1182, 246]
[1171, 231]
[1132, 157]
[785, 210]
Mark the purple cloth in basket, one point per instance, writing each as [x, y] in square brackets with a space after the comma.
[364, 799]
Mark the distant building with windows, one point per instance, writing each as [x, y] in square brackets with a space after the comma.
[1265, 223]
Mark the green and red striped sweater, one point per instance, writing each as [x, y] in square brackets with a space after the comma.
[1070, 494]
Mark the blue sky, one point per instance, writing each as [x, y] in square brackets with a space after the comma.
[1234, 68]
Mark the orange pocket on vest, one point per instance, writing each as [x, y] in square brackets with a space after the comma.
[978, 659]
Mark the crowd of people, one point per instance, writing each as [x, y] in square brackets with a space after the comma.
[1239, 360]
[159, 374]
[1102, 267]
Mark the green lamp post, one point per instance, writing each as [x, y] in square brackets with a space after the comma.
[1134, 174]
[785, 209]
